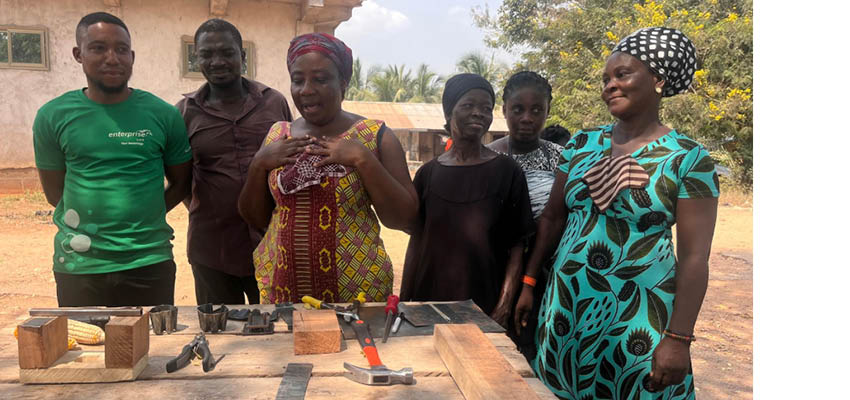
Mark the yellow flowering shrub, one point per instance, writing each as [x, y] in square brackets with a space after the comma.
[568, 41]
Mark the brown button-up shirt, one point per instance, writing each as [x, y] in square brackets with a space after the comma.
[222, 148]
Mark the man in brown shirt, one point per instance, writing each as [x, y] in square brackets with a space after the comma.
[227, 120]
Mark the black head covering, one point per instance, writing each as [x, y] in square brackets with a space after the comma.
[458, 85]
[667, 52]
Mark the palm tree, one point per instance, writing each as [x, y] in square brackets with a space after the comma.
[357, 89]
[391, 83]
[477, 63]
[426, 86]
[492, 70]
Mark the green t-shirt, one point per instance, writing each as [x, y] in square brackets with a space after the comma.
[112, 213]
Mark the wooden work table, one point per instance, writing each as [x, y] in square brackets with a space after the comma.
[252, 367]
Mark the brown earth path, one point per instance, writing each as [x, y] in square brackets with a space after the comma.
[722, 355]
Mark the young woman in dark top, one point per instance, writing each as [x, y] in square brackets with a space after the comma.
[474, 214]
[527, 97]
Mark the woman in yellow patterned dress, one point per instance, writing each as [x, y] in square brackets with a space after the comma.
[313, 185]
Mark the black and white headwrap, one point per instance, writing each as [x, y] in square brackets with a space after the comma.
[667, 52]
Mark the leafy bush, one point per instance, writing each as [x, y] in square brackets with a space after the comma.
[569, 41]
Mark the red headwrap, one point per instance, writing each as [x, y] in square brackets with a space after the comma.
[326, 45]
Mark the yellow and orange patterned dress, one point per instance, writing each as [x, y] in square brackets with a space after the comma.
[323, 239]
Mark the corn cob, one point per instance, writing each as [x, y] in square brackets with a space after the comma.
[72, 343]
[85, 333]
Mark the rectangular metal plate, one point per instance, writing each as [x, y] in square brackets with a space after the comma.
[293, 386]
[461, 312]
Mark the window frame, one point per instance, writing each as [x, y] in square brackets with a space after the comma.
[45, 57]
[186, 41]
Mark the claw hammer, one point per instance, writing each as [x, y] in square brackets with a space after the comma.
[377, 373]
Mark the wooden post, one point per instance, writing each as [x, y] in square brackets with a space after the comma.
[479, 370]
[316, 332]
[127, 341]
[41, 341]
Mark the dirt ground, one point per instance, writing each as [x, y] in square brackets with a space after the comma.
[722, 355]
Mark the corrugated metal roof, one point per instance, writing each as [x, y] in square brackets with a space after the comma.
[419, 116]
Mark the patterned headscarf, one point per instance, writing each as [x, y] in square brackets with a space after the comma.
[326, 45]
[667, 52]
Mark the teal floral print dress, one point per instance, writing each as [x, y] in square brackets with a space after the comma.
[611, 292]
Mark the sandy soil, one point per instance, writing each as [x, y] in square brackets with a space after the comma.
[722, 355]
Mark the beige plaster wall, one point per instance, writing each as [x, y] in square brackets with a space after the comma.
[155, 29]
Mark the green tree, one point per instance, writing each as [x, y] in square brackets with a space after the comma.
[4, 46]
[20, 47]
[427, 86]
[491, 70]
[392, 83]
[568, 41]
[357, 89]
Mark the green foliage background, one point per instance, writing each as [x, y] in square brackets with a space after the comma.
[25, 47]
[569, 41]
[400, 84]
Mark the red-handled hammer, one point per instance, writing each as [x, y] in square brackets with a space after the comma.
[377, 373]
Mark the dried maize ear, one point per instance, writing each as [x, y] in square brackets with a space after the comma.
[85, 333]
[72, 343]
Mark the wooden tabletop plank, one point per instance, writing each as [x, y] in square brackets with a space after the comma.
[426, 388]
[261, 356]
[253, 365]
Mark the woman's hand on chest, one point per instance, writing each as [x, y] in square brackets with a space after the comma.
[348, 152]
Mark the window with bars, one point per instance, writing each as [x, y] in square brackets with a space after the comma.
[189, 60]
[23, 48]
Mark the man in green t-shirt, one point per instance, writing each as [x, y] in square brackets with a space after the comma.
[102, 154]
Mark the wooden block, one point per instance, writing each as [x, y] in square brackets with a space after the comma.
[41, 341]
[316, 332]
[478, 368]
[127, 340]
[82, 367]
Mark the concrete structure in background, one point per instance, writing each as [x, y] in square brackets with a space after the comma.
[419, 126]
[159, 30]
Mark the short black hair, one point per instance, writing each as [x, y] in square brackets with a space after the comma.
[556, 134]
[524, 79]
[218, 25]
[94, 18]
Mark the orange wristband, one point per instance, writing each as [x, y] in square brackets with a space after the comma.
[684, 338]
[529, 280]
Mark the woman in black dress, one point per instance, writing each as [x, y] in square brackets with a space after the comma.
[474, 213]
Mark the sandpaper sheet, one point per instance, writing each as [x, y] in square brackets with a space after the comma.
[461, 312]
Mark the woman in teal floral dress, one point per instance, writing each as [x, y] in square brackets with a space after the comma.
[608, 326]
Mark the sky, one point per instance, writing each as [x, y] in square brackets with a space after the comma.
[412, 32]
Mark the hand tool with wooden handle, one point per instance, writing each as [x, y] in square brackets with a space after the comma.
[391, 310]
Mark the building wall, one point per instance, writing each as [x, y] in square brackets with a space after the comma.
[155, 29]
